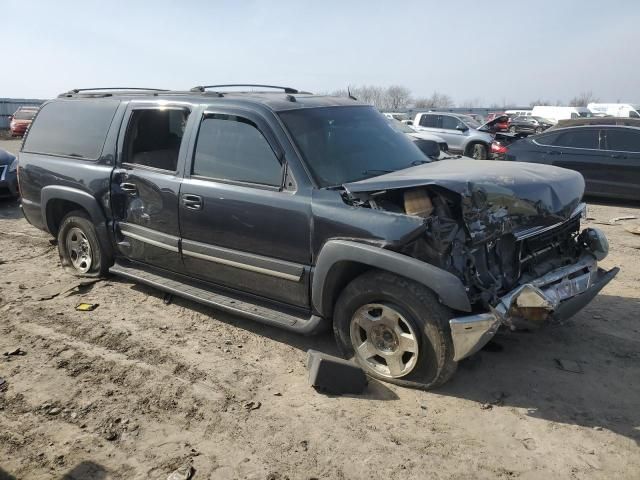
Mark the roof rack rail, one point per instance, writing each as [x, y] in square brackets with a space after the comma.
[98, 90]
[202, 88]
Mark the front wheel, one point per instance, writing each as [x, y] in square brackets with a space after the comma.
[396, 330]
[479, 151]
[79, 248]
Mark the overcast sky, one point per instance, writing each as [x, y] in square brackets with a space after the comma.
[493, 52]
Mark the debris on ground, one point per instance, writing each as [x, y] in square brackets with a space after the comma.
[15, 352]
[167, 298]
[86, 307]
[619, 219]
[3, 385]
[252, 405]
[334, 375]
[53, 290]
[568, 365]
[635, 229]
[185, 472]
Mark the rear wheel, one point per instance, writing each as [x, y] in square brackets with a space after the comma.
[479, 151]
[396, 330]
[78, 246]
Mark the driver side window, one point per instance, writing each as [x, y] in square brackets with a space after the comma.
[450, 123]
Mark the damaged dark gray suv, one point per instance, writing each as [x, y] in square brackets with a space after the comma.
[305, 211]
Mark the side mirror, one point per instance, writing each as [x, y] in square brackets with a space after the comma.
[461, 127]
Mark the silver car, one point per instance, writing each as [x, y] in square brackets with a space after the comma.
[462, 133]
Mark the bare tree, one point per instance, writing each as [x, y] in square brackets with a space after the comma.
[471, 103]
[436, 100]
[397, 97]
[538, 102]
[583, 99]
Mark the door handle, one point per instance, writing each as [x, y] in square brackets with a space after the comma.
[192, 202]
[129, 188]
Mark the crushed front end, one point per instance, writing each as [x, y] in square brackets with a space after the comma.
[511, 233]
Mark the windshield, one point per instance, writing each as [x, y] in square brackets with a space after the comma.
[346, 144]
[470, 121]
[24, 114]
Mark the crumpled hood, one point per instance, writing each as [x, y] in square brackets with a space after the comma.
[496, 197]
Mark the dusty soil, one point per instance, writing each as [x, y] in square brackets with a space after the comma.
[137, 388]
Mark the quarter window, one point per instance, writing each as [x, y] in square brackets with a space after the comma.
[71, 128]
[623, 140]
[232, 148]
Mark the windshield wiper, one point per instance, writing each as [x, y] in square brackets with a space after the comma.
[375, 170]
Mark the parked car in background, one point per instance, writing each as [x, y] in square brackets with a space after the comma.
[401, 117]
[596, 120]
[529, 124]
[560, 113]
[607, 156]
[615, 109]
[8, 175]
[462, 133]
[423, 140]
[21, 120]
[517, 113]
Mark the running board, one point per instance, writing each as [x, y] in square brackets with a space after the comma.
[222, 301]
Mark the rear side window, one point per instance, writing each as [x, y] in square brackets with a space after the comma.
[72, 128]
[429, 121]
[623, 140]
[24, 114]
[579, 139]
[232, 148]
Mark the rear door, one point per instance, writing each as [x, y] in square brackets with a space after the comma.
[146, 184]
[244, 224]
[620, 175]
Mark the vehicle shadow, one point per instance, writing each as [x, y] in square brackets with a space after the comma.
[86, 470]
[526, 374]
[321, 342]
[10, 208]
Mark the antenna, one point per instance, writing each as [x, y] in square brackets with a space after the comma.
[349, 93]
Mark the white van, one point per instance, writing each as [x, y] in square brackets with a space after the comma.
[518, 113]
[616, 109]
[560, 113]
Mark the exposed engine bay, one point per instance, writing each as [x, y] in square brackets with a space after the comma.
[489, 267]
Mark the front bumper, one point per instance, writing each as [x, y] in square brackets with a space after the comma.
[555, 296]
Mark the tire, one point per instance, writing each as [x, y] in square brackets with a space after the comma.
[538, 130]
[512, 129]
[479, 151]
[381, 295]
[79, 248]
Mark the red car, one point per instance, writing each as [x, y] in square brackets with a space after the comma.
[21, 120]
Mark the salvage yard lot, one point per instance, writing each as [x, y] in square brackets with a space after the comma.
[137, 388]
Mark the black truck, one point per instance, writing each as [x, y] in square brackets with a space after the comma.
[309, 212]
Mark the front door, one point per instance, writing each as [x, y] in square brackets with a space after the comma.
[243, 223]
[146, 184]
[451, 129]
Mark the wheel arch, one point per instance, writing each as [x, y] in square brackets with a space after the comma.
[340, 261]
[468, 150]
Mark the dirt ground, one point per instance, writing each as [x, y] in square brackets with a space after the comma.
[137, 388]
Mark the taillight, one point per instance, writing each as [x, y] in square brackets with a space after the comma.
[497, 147]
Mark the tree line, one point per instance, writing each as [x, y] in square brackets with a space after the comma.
[398, 97]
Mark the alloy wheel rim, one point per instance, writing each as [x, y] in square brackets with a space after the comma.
[383, 340]
[79, 250]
